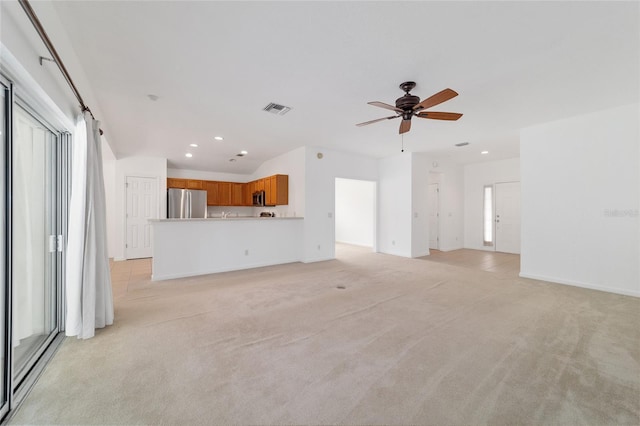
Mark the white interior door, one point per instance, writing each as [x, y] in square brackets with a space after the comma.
[508, 217]
[434, 215]
[142, 205]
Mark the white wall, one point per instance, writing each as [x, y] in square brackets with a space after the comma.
[109, 171]
[18, 36]
[319, 224]
[404, 209]
[202, 175]
[580, 199]
[356, 208]
[394, 206]
[476, 176]
[152, 167]
[195, 247]
[419, 204]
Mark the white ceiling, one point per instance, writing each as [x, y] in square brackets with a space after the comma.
[215, 65]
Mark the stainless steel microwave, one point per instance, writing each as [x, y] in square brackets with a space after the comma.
[259, 198]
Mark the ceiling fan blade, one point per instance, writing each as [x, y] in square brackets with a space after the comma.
[405, 126]
[385, 106]
[439, 115]
[376, 120]
[436, 99]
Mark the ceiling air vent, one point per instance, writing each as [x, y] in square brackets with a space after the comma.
[462, 144]
[277, 109]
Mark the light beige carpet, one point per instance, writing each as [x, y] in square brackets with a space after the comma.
[409, 341]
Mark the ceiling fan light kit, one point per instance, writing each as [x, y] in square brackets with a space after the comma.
[409, 106]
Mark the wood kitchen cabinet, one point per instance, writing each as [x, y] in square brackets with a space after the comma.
[195, 184]
[213, 192]
[236, 194]
[176, 183]
[249, 189]
[277, 190]
[225, 194]
[185, 183]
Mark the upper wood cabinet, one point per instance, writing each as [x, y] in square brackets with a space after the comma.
[276, 190]
[195, 184]
[225, 194]
[213, 192]
[176, 183]
[236, 194]
[185, 183]
[249, 189]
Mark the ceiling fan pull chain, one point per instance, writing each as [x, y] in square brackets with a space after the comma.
[402, 136]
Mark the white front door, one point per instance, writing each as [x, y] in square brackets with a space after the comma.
[434, 215]
[508, 217]
[142, 205]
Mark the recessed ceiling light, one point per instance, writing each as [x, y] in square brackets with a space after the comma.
[195, 145]
[218, 138]
[232, 159]
[484, 152]
[153, 97]
[243, 152]
[462, 144]
[188, 155]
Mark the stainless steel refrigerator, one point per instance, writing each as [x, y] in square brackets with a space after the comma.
[186, 203]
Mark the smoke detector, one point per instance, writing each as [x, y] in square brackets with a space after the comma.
[277, 109]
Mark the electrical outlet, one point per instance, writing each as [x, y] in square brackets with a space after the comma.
[246, 252]
[330, 215]
[393, 243]
[318, 246]
[415, 214]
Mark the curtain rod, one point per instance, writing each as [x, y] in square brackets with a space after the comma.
[52, 50]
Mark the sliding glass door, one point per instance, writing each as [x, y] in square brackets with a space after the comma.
[5, 96]
[34, 243]
[33, 222]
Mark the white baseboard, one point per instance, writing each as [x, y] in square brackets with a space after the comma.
[581, 284]
[162, 277]
[317, 259]
[351, 243]
[445, 249]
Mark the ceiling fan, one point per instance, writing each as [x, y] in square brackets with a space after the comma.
[409, 105]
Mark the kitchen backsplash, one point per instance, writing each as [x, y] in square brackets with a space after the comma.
[280, 211]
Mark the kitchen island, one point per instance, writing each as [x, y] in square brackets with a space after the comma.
[188, 247]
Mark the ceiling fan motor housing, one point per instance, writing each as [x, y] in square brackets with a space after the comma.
[407, 102]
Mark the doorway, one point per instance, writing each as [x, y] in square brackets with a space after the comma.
[507, 218]
[355, 212]
[142, 205]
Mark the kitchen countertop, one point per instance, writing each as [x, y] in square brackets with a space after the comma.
[218, 219]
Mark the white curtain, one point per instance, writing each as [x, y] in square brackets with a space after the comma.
[89, 295]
